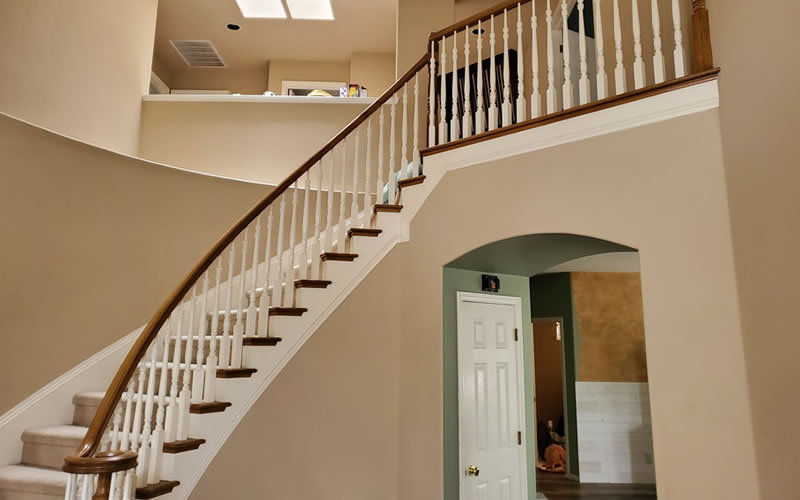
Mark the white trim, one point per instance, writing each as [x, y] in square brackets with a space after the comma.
[158, 83]
[268, 99]
[516, 303]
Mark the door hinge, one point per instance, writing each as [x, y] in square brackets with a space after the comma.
[519, 438]
[516, 335]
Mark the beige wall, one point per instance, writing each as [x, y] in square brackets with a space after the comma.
[608, 307]
[680, 243]
[372, 70]
[244, 81]
[416, 19]
[307, 71]
[78, 67]
[757, 51]
[262, 141]
[94, 241]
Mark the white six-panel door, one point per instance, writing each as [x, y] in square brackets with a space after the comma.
[491, 406]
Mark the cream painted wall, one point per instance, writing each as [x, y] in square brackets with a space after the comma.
[372, 70]
[94, 242]
[307, 71]
[757, 51]
[416, 19]
[680, 243]
[263, 142]
[78, 67]
[245, 81]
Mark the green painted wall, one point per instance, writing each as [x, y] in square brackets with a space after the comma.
[458, 280]
[551, 297]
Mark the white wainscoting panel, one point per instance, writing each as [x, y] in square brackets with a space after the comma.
[615, 438]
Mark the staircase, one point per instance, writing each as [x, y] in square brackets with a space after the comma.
[269, 283]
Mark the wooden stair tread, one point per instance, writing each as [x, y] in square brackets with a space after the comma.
[184, 445]
[339, 257]
[312, 283]
[363, 231]
[385, 208]
[203, 408]
[157, 489]
[287, 311]
[235, 372]
[261, 341]
[410, 182]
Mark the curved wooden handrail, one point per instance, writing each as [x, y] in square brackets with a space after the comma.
[105, 411]
[472, 20]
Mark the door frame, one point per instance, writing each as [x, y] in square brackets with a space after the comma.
[516, 302]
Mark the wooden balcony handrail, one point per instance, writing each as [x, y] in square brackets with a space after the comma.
[472, 20]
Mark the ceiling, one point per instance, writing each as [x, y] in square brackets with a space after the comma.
[359, 26]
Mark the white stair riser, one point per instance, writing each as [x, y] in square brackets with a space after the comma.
[47, 455]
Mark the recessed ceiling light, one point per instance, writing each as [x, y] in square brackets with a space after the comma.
[272, 9]
[310, 9]
[233, 27]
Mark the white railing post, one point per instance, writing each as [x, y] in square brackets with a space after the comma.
[566, 89]
[492, 78]
[316, 247]
[341, 232]
[302, 258]
[328, 247]
[197, 378]
[680, 56]
[442, 96]
[415, 152]
[225, 342]
[432, 98]
[381, 154]
[184, 396]
[620, 75]
[639, 71]
[480, 109]
[368, 173]
[144, 453]
[251, 319]
[521, 102]
[354, 202]
[536, 97]
[659, 62]
[392, 181]
[173, 365]
[238, 329]
[584, 86]
[552, 96]
[454, 125]
[403, 135]
[288, 293]
[506, 110]
[466, 120]
[210, 390]
[602, 77]
[263, 300]
[277, 280]
[157, 437]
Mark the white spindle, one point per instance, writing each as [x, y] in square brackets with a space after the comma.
[392, 180]
[288, 293]
[584, 86]
[341, 231]
[521, 102]
[277, 280]
[238, 329]
[356, 175]
[182, 430]
[442, 96]
[466, 120]
[552, 96]
[87, 488]
[620, 75]
[210, 390]
[157, 437]
[329, 215]
[566, 89]
[251, 319]
[639, 72]
[680, 58]
[174, 365]
[404, 135]
[127, 429]
[316, 248]
[263, 300]
[144, 453]
[368, 174]
[659, 62]
[536, 97]
[302, 258]
[454, 119]
[492, 78]
[415, 153]
[432, 98]
[116, 423]
[225, 342]
[138, 410]
[480, 109]
[197, 378]
[506, 74]
[602, 77]
[380, 159]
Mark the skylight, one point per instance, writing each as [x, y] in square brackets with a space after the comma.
[262, 8]
[310, 9]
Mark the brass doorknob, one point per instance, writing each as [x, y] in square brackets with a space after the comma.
[473, 471]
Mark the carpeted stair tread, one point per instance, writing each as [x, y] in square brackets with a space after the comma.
[60, 435]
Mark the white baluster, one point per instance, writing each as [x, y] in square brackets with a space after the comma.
[144, 453]
[680, 57]
[127, 429]
[432, 98]
[238, 329]
[185, 394]
[415, 153]
[566, 89]
[392, 180]
[87, 488]
[492, 78]
[263, 300]
[251, 319]
[225, 342]
[584, 86]
[302, 258]
[380, 159]
[602, 77]
[454, 119]
[277, 279]
[138, 411]
[157, 437]
[356, 175]
[288, 293]
[341, 231]
[620, 75]
[404, 136]
[466, 120]
[174, 365]
[442, 97]
[659, 62]
[480, 109]
[506, 74]
[72, 487]
[116, 423]
[210, 389]
[639, 71]
[329, 216]
[197, 377]
[536, 97]
[552, 96]
[368, 176]
[521, 102]
[316, 248]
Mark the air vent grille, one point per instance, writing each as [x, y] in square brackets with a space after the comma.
[198, 53]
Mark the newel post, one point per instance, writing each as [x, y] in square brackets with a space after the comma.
[702, 57]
